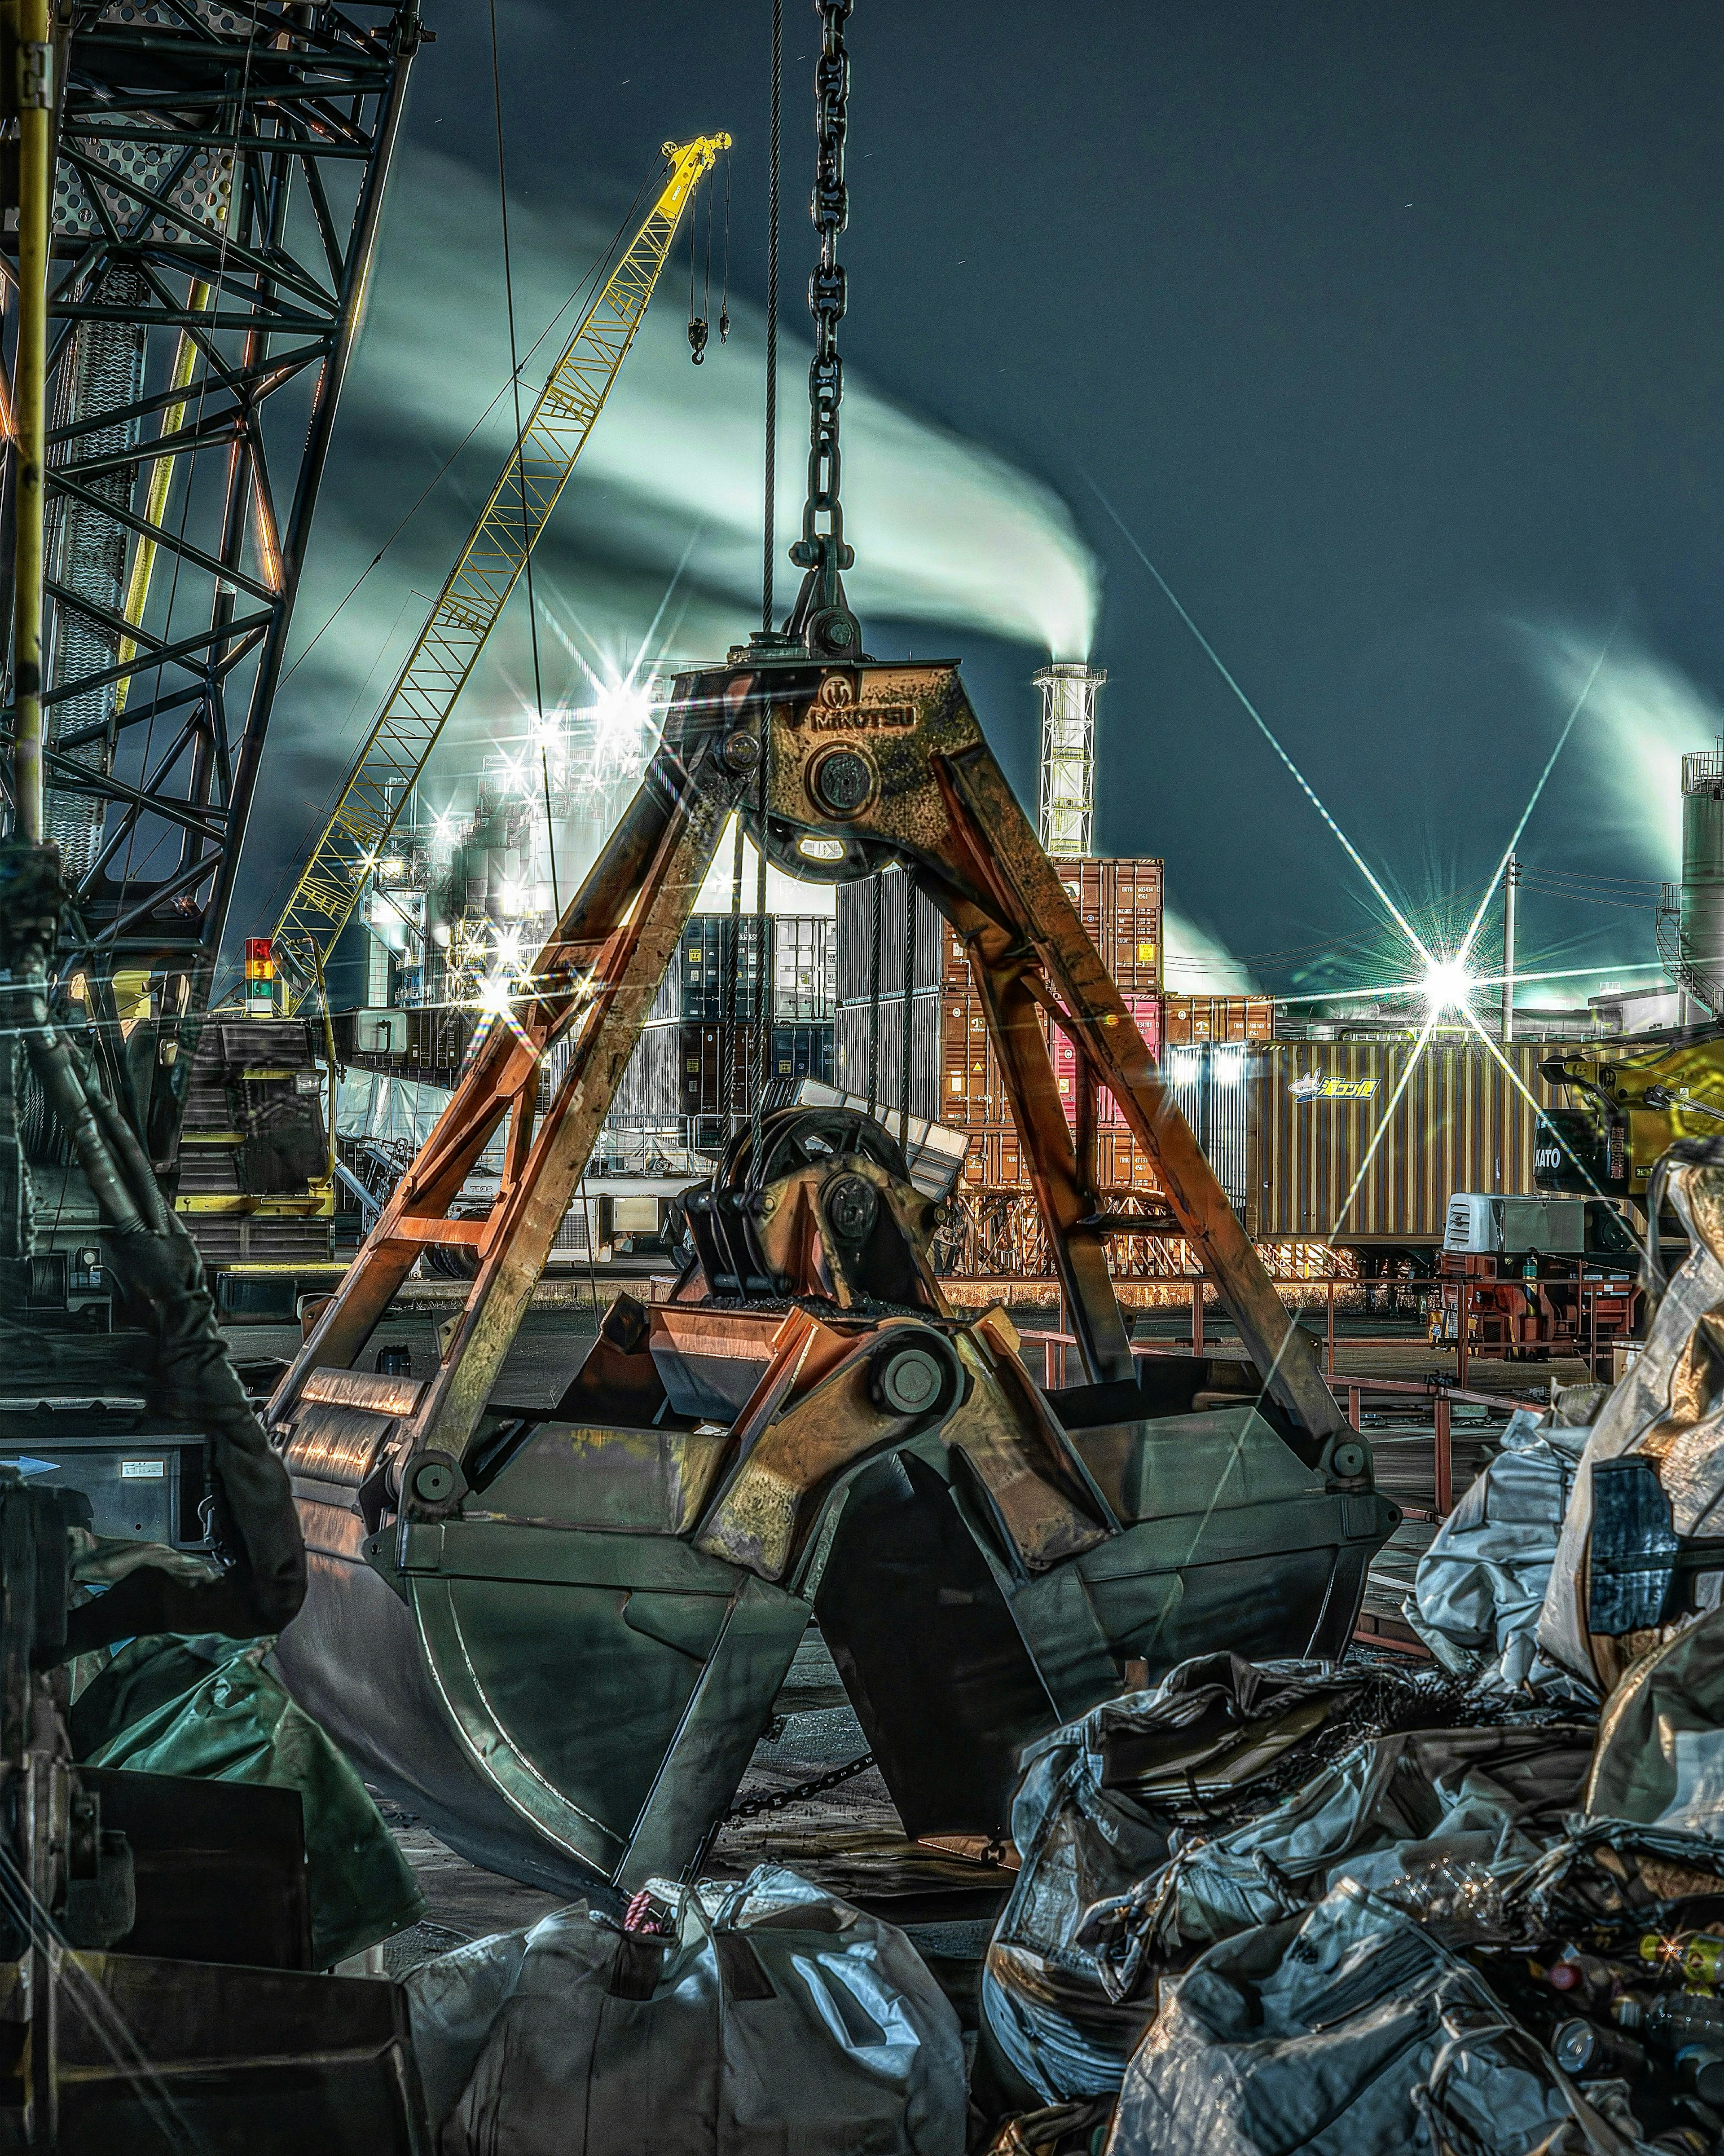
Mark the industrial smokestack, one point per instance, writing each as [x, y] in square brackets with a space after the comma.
[1701, 971]
[1067, 802]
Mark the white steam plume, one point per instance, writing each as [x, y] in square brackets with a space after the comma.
[945, 530]
[1643, 714]
[1196, 963]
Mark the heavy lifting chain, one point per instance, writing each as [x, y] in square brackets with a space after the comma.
[822, 614]
[830, 210]
[781, 1800]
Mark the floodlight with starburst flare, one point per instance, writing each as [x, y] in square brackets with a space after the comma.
[1446, 984]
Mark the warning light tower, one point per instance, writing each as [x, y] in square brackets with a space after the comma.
[259, 977]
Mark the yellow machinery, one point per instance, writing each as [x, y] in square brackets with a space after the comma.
[1630, 1100]
[447, 649]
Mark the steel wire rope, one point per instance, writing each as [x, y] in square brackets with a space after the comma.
[909, 898]
[724, 293]
[773, 220]
[706, 271]
[875, 904]
[694, 221]
[526, 542]
[762, 989]
[756, 1058]
[732, 963]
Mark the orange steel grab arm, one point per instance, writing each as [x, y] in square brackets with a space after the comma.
[592, 986]
[917, 782]
[868, 764]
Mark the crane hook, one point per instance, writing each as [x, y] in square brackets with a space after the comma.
[724, 328]
[697, 339]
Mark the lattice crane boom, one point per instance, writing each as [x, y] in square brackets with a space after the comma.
[218, 175]
[447, 649]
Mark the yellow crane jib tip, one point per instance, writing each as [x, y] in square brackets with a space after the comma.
[690, 163]
[705, 147]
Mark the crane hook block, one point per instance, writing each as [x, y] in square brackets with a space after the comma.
[697, 339]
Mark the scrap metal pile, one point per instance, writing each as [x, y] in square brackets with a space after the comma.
[1482, 1909]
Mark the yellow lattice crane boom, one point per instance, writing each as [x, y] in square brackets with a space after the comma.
[447, 649]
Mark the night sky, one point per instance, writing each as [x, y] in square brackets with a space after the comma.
[1393, 336]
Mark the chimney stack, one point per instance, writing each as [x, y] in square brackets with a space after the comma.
[1068, 793]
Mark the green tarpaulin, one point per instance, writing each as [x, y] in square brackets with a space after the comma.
[209, 1707]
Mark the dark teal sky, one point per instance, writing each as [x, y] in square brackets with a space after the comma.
[1393, 334]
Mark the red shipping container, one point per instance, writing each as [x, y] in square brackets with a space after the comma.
[1147, 1013]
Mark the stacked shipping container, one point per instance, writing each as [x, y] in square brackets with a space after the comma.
[1218, 1018]
[1119, 902]
[1147, 1014]
[973, 1097]
[692, 1070]
[953, 1076]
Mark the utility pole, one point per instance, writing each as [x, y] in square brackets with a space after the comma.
[1510, 884]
